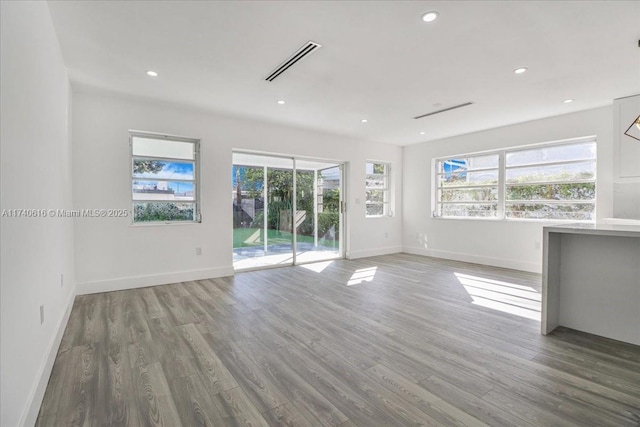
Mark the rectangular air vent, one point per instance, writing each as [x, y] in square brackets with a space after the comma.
[305, 50]
[443, 110]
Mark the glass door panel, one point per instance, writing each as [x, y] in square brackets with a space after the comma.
[248, 213]
[279, 224]
[319, 219]
[262, 211]
[305, 212]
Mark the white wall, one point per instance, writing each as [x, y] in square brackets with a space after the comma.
[511, 244]
[112, 254]
[626, 160]
[35, 175]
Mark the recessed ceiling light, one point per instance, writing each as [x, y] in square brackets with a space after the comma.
[422, 133]
[430, 16]
[152, 73]
[280, 101]
[568, 101]
[520, 70]
[364, 120]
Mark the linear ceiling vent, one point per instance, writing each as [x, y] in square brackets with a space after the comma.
[305, 50]
[443, 110]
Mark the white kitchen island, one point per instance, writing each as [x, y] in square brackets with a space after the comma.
[591, 280]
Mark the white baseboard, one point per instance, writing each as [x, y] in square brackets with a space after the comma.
[476, 259]
[30, 415]
[133, 282]
[374, 252]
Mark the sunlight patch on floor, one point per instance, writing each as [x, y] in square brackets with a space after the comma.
[523, 301]
[362, 275]
[317, 267]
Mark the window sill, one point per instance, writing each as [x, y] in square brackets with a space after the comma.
[163, 224]
[458, 218]
[536, 220]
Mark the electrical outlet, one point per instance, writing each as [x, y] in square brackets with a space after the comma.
[62, 280]
[198, 251]
[42, 314]
[386, 235]
[537, 245]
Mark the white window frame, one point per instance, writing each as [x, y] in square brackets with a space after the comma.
[386, 190]
[195, 181]
[502, 184]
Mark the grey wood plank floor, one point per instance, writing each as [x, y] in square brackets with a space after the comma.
[392, 340]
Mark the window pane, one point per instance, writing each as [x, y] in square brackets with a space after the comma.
[375, 210]
[376, 181]
[375, 196]
[162, 148]
[375, 168]
[573, 191]
[163, 179]
[162, 190]
[569, 211]
[468, 163]
[457, 178]
[486, 194]
[566, 172]
[558, 153]
[156, 169]
[377, 188]
[329, 179]
[477, 210]
[472, 172]
[160, 211]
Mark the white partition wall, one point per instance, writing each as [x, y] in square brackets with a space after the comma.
[626, 158]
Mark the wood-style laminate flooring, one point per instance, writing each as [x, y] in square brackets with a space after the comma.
[393, 340]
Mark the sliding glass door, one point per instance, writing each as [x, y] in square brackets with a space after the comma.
[283, 203]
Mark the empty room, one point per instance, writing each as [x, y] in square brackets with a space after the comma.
[320, 213]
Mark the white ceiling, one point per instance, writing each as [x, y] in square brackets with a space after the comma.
[379, 61]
